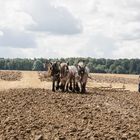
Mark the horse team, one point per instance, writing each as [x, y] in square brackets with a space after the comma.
[68, 78]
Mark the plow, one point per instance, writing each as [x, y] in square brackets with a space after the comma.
[110, 88]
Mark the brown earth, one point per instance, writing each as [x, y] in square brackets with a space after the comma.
[10, 75]
[44, 76]
[114, 79]
[130, 82]
[33, 79]
[29, 79]
[40, 114]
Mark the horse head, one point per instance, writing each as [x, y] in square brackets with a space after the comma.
[55, 68]
[81, 68]
[64, 69]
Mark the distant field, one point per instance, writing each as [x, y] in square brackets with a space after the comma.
[31, 79]
[116, 80]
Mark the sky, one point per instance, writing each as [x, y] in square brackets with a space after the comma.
[70, 28]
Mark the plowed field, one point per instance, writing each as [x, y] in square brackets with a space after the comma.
[39, 114]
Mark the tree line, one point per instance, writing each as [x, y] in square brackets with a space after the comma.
[119, 66]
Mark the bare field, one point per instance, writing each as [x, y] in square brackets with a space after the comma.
[33, 79]
[10, 75]
[115, 80]
[29, 80]
[29, 110]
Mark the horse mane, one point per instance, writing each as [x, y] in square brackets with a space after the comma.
[81, 64]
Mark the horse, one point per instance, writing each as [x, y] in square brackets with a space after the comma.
[83, 72]
[54, 72]
[63, 75]
[69, 76]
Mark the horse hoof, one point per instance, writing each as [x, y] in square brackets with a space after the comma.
[73, 90]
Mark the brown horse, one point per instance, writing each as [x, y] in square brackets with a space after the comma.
[54, 71]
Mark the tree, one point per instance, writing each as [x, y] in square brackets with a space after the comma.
[100, 69]
[132, 68]
[120, 70]
[90, 66]
[109, 62]
[125, 64]
[37, 66]
[112, 69]
[2, 64]
[138, 69]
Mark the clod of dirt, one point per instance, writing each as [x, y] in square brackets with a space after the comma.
[124, 137]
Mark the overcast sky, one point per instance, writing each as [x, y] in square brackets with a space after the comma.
[70, 28]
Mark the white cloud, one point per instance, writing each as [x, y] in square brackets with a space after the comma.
[51, 19]
[128, 49]
[58, 46]
[99, 46]
[16, 39]
[66, 28]
[12, 16]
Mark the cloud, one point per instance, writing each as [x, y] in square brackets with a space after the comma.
[7, 52]
[59, 46]
[128, 49]
[99, 45]
[12, 16]
[129, 36]
[16, 39]
[51, 19]
[69, 28]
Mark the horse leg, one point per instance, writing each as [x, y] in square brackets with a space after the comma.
[73, 85]
[70, 85]
[53, 86]
[83, 88]
[77, 87]
[63, 87]
[66, 85]
[57, 86]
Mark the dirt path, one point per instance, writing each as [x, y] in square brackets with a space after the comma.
[29, 80]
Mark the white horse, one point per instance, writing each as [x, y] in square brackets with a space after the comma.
[69, 77]
[83, 72]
